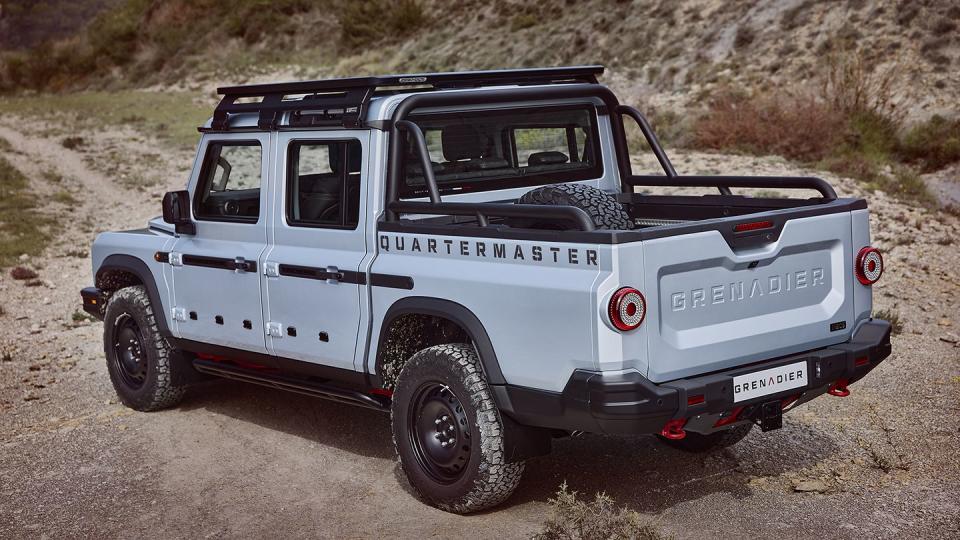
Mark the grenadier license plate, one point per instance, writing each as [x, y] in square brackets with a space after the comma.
[769, 381]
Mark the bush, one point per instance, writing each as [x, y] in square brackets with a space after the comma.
[933, 144]
[892, 317]
[363, 23]
[797, 127]
[572, 519]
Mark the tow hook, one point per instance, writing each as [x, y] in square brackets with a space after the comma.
[673, 429]
[839, 388]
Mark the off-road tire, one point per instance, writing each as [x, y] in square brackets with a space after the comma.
[605, 211]
[157, 390]
[697, 443]
[486, 478]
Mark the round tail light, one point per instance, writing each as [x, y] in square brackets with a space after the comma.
[869, 265]
[627, 309]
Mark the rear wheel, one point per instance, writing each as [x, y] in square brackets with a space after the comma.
[138, 357]
[696, 442]
[448, 433]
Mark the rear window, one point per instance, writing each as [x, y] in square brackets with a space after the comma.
[488, 150]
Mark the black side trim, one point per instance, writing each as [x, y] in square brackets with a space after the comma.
[448, 310]
[289, 365]
[391, 281]
[347, 276]
[222, 263]
[135, 266]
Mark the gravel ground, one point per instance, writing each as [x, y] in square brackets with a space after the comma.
[243, 461]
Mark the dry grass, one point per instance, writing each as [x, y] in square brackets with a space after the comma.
[23, 228]
[601, 519]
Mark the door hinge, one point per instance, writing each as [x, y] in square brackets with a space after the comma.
[274, 329]
[178, 314]
[176, 259]
[271, 269]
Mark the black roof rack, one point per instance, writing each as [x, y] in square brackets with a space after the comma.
[342, 102]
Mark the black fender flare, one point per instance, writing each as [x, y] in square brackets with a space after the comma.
[438, 307]
[135, 266]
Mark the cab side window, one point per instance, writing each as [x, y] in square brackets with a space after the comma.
[230, 179]
[323, 184]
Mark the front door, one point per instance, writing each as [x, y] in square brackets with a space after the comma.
[311, 269]
[216, 280]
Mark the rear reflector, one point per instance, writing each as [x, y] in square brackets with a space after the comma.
[695, 400]
[862, 361]
[752, 226]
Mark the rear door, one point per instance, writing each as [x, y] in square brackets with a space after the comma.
[215, 272]
[311, 272]
[719, 306]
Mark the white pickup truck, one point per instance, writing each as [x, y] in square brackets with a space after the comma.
[472, 253]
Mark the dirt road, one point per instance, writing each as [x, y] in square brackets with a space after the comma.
[243, 461]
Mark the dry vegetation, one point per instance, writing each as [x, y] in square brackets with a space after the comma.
[601, 519]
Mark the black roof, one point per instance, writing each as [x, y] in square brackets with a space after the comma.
[330, 102]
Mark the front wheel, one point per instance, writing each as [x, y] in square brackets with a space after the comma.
[138, 356]
[448, 432]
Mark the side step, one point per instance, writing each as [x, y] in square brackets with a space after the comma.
[292, 384]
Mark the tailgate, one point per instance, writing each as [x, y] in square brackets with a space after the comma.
[719, 306]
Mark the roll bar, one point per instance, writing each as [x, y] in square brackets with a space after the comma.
[580, 218]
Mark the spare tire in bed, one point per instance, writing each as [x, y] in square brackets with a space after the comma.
[603, 208]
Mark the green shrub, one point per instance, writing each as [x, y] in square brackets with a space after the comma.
[933, 144]
[892, 317]
[573, 519]
[363, 23]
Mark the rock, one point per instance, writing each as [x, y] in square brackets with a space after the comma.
[950, 338]
[34, 328]
[33, 283]
[46, 300]
[24, 257]
[811, 486]
[22, 272]
[945, 322]
[49, 284]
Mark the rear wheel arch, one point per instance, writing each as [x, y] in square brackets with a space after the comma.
[119, 271]
[445, 319]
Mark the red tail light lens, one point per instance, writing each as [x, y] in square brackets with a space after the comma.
[752, 226]
[869, 265]
[627, 309]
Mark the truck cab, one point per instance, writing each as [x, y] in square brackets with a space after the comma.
[472, 253]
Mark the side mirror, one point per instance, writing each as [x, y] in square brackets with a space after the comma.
[176, 211]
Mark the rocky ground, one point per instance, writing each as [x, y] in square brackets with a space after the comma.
[244, 461]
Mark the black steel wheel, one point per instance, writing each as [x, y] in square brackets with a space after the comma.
[441, 432]
[142, 366]
[448, 433]
[129, 357]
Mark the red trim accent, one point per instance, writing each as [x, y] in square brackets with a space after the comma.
[696, 400]
[752, 226]
[673, 429]
[613, 309]
[858, 267]
[382, 392]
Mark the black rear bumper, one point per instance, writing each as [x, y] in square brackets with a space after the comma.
[630, 404]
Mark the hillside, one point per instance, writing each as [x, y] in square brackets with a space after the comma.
[664, 51]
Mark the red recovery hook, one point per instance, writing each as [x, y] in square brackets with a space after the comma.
[839, 388]
[673, 429]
